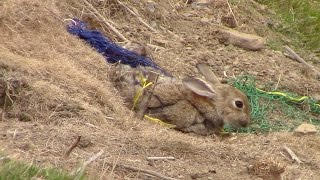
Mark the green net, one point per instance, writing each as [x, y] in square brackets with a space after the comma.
[274, 110]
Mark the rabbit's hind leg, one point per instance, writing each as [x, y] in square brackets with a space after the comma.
[199, 128]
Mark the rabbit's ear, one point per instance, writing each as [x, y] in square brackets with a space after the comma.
[205, 70]
[199, 86]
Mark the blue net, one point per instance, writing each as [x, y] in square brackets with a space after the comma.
[110, 50]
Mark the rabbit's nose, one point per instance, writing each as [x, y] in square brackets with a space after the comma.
[243, 122]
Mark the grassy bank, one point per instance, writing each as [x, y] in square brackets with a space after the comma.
[10, 169]
[301, 21]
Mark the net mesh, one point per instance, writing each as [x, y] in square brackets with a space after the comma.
[110, 50]
[274, 110]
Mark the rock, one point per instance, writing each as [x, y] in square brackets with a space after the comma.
[205, 20]
[317, 97]
[25, 117]
[85, 142]
[229, 21]
[137, 48]
[151, 6]
[269, 168]
[243, 40]
[153, 24]
[201, 4]
[188, 14]
[306, 128]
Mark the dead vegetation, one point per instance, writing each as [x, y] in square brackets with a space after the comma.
[58, 88]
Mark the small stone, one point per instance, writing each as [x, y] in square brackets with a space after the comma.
[85, 142]
[201, 4]
[255, 73]
[204, 2]
[317, 97]
[229, 21]
[243, 40]
[25, 117]
[213, 171]
[205, 20]
[137, 48]
[153, 24]
[189, 15]
[306, 128]
[236, 62]
[151, 6]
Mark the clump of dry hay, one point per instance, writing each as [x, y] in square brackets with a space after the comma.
[69, 92]
[67, 79]
[267, 168]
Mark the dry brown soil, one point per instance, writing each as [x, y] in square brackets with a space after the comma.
[63, 90]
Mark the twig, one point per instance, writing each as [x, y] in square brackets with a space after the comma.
[90, 160]
[278, 81]
[155, 46]
[295, 56]
[93, 158]
[170, 32]
[138, 17]
[91, 125]
[161, 158]
[225, 74]
[153, 173]
[234, 17]
[111, 118]
[72, 147]
[4, 158]
[14, 133]
[186, 3]
[292, 154]
[96, 12]
[171, 4]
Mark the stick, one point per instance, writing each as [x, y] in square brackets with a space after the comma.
[292, 154]
[72, 147]
[295, 56]
[90, 160]
[278, 81]
[111, 118]
[234, 17]
[161, 158]
[4, 158]
[170, 32]
[93, 158]
[96, 12]
[155, 46]
[153, 173]
[138, 17]
[91, 125]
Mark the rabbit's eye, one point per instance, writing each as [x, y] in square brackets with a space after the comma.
[239, 104]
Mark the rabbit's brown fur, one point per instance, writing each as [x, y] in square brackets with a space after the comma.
[192, 104]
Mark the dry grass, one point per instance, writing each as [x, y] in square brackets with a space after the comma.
[69, 93]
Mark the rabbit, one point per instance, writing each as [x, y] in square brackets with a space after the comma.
[192, 104]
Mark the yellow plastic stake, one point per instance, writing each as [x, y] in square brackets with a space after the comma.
[144, 84]
[158, 121]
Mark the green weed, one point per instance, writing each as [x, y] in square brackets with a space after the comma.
[301, 21]
[14, 170]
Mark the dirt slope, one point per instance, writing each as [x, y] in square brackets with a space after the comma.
[59, 89]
